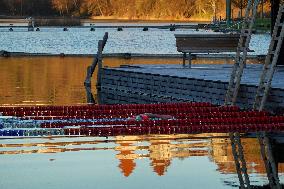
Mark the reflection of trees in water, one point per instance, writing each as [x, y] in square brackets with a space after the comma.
[161, 150]
[160, 156]
[126, 158]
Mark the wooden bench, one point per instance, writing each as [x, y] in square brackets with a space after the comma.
[205, 43]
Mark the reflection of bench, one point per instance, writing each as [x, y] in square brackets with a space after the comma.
[206, 43]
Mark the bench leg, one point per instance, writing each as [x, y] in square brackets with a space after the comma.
[183, 60]
[189, 60]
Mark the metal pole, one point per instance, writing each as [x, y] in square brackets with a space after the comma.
[21, 7]
[242, 8]
[274, 11]
[228, 11]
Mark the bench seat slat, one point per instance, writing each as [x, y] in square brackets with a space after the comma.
[207, 43]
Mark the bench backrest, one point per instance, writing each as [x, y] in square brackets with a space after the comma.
[207, 43]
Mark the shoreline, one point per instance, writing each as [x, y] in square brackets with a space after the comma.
[118, 20]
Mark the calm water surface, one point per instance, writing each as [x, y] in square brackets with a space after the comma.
[156, 161]
[59, 81]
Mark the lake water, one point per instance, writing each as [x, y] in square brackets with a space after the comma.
[59, 81]
[83, 41]
[156, 161]
[153, 161]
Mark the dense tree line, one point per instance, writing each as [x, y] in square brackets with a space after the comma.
[132, 9]
[26, 7]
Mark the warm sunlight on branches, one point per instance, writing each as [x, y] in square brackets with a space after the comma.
[125, 9]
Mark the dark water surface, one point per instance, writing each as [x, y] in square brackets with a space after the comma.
[154, 161]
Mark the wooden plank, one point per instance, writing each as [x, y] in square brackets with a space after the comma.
[208, 43]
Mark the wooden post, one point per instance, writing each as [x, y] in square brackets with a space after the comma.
[31, 24]
[88, 77]
[91, 69]
[90, 97]
[105, 38]
[99, 57]
[183, 60]
[189, 60]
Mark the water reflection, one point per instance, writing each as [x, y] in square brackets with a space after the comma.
[266, 145]
[160, 150]
[60, 81]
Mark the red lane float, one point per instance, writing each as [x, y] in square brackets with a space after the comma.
[121, 112]
[111, 120]
[104, 107]
[177, 116]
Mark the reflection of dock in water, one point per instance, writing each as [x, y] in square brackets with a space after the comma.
[222, 156]
[269, 153]
[161, 150]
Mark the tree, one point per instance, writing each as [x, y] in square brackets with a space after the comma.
[241, 4]
[131, 9]
[3, 7]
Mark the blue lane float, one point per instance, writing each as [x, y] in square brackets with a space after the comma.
[31, 132]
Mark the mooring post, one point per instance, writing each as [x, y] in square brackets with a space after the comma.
[31, 24]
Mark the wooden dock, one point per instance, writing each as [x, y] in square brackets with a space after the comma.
[173, 83]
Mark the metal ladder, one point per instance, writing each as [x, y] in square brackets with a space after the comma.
[234, 85]
[240, 162]
[266, 153]
[263, 92]
[242, 51]
[270, 61]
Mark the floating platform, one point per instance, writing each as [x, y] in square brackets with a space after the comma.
[174, 83]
